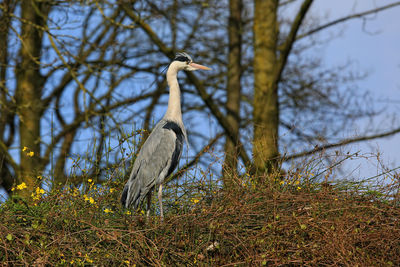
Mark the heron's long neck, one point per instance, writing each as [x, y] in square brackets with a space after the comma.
[174, 103]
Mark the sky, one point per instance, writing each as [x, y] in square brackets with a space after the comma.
[374, 47]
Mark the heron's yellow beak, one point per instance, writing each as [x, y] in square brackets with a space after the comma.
[198, 66]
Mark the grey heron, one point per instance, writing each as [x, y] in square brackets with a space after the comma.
[160, 154]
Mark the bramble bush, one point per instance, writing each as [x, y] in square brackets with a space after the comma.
[293, 219]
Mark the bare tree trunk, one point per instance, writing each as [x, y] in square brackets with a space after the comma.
[29, 91]
[266, 108]
[6, 106]
[233, 88]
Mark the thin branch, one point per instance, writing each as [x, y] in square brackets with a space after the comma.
[286, 3]
[346, 18]
[7, 156]
[342, 143]
[149, 31]
[290, 39]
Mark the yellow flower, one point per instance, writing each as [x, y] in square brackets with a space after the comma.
[30, 154]
[75, 192]
[195, 200]
[128, 212]
[39, 191]
[24, 149]
[297, 182]
[298, 188]
[89, 180]
[21, 186]
[112, 190]
[90, 199]
[87, 259]
[281, 182]
[108, 211]
[39, 177]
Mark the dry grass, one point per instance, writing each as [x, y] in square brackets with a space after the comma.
[271, 225]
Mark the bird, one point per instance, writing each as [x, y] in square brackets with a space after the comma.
[160, 154]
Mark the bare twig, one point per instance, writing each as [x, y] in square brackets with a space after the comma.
[346, 18]
[291, 38]
[342, 143]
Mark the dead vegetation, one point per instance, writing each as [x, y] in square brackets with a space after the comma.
[279, 224]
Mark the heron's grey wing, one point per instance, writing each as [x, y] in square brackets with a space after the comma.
[176, 155]
[157, 158]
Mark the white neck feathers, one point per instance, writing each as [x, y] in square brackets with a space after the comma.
[174, 112]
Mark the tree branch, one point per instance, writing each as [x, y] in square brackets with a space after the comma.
[290, 39]
[346, 18]
[342, 143]
[7, 156]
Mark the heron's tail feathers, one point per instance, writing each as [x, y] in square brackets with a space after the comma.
[132, 195]
[124, 196]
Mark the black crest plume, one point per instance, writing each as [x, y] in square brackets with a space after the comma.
[182, 56]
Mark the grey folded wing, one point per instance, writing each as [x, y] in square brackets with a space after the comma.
[156, 160]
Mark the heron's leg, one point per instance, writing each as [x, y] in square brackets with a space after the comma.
[149, 202]
[160, 201]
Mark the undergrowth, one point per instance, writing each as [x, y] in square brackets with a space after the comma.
[290, 222]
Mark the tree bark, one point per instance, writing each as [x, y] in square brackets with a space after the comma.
[266, 107]
[233, 89]
[6, 107]
[29, 91]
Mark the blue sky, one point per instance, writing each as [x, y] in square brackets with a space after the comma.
[376, 50]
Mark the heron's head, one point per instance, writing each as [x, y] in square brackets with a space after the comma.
[184, 62]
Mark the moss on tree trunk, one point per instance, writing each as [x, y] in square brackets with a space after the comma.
[266, 108]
